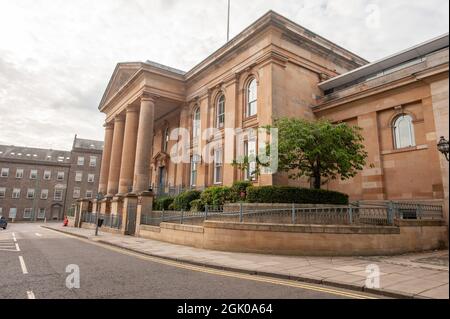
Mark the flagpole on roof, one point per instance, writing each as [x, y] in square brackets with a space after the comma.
[228, 22]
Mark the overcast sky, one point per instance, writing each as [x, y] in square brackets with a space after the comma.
[56, 56]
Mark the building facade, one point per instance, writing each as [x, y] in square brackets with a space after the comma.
[39, 184]
[276, 68]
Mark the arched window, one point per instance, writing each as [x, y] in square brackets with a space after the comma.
[252, 98]
[166, 138]
[196, 124]
[404, 131]
[220, 112]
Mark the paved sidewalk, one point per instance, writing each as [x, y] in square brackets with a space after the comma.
[422, 275]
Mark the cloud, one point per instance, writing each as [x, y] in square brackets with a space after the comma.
[56, 56]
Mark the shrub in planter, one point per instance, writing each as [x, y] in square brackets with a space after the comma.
[297, 195]
[216, 196]
[162, 203]
[197, 205]
[183, 200]
[239, 190]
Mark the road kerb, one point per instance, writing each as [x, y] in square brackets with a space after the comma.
[330, 283]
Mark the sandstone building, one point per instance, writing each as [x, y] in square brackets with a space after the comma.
[276, 68]
[38, 184]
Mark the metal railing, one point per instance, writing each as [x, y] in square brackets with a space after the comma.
[111, 221]
[376, 214]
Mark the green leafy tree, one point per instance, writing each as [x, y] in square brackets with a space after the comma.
[319, 149]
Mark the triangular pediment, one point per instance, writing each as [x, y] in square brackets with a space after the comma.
[121, 75]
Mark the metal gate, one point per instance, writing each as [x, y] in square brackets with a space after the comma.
[131, 219]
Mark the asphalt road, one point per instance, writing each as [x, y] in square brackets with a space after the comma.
[33, 263]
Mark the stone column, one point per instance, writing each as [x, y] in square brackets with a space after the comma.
[116, 156]
[106, 157]
[129, 150]
[144, 146]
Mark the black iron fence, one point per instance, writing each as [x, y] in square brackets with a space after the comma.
[111, 221]
[376, 214]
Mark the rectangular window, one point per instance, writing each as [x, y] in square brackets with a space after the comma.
[60, 176]
[88, 194]
[48, 175]
[30, 193]
[218, 166]
[12, 212]
[1, 211]
[76, 192]
[19, 173]
[41, 213]
[5, 172]
[57, 196]
[33, 174]
[194, 165]
[16, 193]
[78, 176]
[2, 192]
[27, 213]
[93, 161]
[44, 193]
[80, 160]
[250, 153]
[91, 178]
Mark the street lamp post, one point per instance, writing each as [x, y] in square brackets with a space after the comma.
[99, 198]
[443, 147]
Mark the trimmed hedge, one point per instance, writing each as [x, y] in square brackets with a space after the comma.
[163, 203]
[183, 201]
[297, 195]
[239, 190]
[217, 195]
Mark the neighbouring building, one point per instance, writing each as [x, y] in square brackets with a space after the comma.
[38, 184]
[276, 68]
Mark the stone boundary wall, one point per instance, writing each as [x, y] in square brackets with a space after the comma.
[103, 228]
[308, 240]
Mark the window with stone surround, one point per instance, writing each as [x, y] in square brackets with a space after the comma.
[57, 196]
[12, 212]
[30, 193]
[78, 176]
[91, 178]
[218, 160]
[166, 139]
[4, 172]
[252, 99]
[2, 192]
[60, 176]
[92, 161]
[80, 161]
[16, 193]
[44, 193]
[220, 112]
[41, 213]
[89, 194]
[196, 125]
[403, 131]
[48, 175]
[76, 192]
[19, 173]
[27, 213]
[33, 174]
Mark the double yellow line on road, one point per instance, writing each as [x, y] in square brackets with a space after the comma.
[205, 269]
